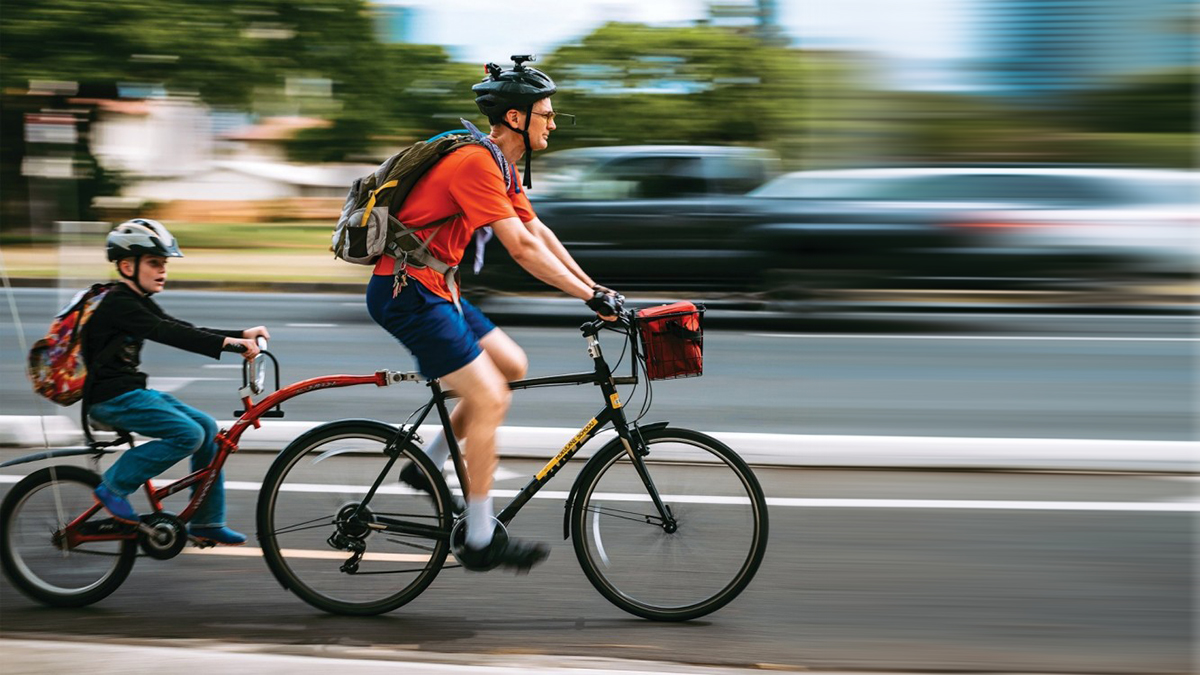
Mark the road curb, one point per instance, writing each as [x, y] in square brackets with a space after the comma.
[797, 450]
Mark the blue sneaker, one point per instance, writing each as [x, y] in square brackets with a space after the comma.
[221, 535]
[120, 508]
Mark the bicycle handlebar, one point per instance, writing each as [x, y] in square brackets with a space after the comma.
[255, 375]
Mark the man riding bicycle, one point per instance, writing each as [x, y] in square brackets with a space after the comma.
[450, 338]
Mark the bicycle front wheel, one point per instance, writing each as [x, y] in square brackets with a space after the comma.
[34, 550]
[324, 542]
[694, 561]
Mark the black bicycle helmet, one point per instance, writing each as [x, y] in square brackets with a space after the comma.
[515, 89]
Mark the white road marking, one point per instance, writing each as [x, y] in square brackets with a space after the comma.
[311, 325]
[850, 336]
[222, 365]
[248, 552]
[1177, 506]
[1174, 505]
[1006, 315]
[170, 384]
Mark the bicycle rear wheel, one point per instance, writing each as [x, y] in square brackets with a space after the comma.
[34, 553]
[310, 522]
[683, 567]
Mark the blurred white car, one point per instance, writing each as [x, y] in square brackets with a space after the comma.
[1138, 221]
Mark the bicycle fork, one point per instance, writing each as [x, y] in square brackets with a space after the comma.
[638, 452]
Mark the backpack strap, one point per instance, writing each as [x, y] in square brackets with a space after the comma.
[418, 255]
[105, 353]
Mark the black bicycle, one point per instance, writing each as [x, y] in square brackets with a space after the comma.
[667, 523]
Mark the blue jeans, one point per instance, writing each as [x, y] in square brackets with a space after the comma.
[179, 430]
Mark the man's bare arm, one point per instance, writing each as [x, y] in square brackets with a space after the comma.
[531, 253]
[539, 229]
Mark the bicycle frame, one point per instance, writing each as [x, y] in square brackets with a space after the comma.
[612, 412]
[227, 439]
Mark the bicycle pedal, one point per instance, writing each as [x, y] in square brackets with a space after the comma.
[201, 543]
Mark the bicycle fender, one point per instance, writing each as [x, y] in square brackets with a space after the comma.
[64, 452]
[653, 426]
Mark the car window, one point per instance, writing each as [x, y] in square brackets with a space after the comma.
[1028, 188]
[559, 175]
[738, 174]
[804, 186]
[649, 178]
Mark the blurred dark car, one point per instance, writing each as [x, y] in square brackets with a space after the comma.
[666, 218]
[642, 217]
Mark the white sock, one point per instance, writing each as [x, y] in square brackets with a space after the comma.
[438, 449]
[480, 522]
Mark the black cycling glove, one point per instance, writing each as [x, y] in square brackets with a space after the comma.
[604, 304]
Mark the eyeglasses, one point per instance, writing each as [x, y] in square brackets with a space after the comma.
[550, 116]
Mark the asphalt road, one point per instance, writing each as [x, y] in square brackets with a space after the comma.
[1065, 576]
[1076, 573]
[1030, 376]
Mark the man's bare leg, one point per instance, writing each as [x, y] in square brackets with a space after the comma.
[512, 362]
[485, 392]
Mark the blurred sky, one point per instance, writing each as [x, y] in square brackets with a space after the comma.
[482, 30]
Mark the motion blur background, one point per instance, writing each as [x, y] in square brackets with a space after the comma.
[241, 125]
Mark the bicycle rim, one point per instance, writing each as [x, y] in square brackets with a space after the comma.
[314, 491]
[34, 514]
[642, 567]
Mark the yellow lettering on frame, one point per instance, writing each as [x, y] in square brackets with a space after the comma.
[571, 445]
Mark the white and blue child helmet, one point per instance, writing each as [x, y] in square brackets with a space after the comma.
[139, 237]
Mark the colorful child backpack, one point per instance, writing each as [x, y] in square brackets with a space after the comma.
[56, 363]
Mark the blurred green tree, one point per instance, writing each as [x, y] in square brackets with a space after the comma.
[221, 52]
[631, 83]
[401, 94]
[1161, 102]
[225, 54]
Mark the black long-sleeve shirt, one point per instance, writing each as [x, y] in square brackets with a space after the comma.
[130, 319]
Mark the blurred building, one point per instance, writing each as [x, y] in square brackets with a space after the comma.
[760, 15]
[153, 136]
[1035, 49]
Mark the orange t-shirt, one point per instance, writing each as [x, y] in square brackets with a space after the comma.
[466, 181]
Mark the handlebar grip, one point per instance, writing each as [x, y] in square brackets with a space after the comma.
[605, 304]
[235, 348]
[261, 342]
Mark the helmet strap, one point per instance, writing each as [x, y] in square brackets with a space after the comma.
[528, 180]
[137, 264]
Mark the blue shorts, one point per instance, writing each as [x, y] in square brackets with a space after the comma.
[441, 339]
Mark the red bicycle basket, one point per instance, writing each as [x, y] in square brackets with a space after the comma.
[673, 340]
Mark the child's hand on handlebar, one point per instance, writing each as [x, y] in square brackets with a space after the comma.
[246, 347]
[256, 332]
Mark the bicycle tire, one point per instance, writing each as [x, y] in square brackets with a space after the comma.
[35, 564]
[640, 566]
[339, 469]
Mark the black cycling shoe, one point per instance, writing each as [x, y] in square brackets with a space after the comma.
[413, 477]
[502, 552]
